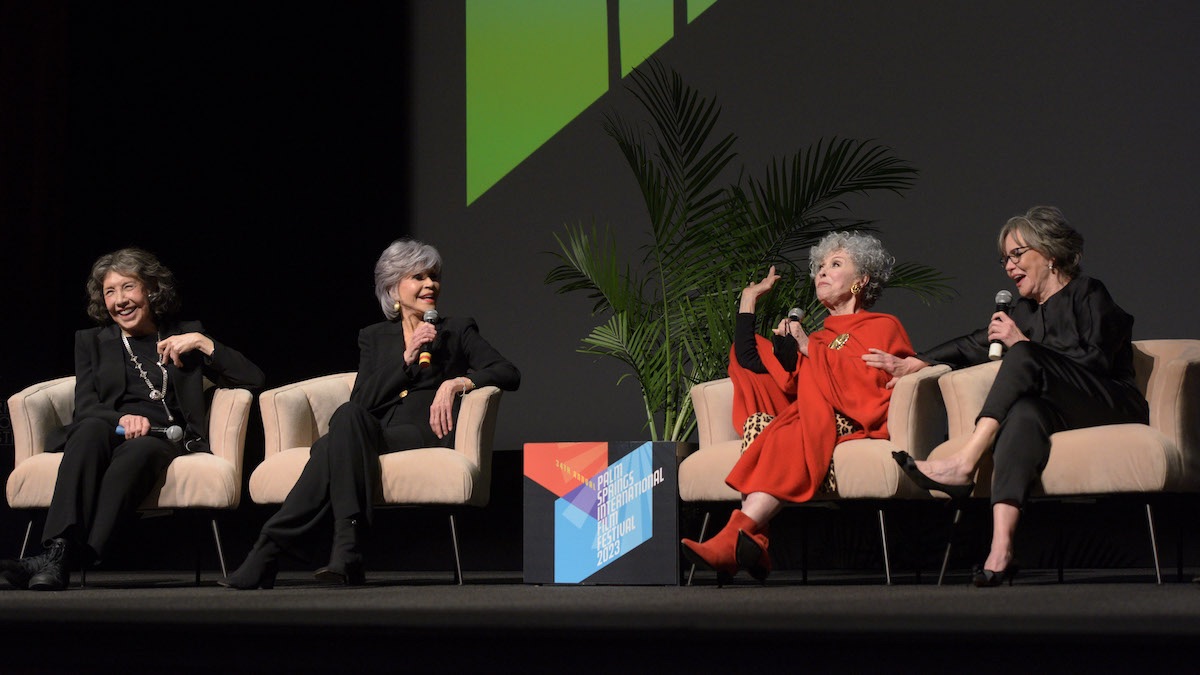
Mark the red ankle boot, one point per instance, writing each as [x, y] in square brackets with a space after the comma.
[720, 552]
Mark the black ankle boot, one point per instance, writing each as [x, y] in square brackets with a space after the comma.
[259, 568]
[17, 572]
[345, 561]
[53, 574]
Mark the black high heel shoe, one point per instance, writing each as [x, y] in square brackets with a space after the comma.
[246, 579]
[985, 578]
[348, 574]
[753, 557]
[258, 570]
[909, 465]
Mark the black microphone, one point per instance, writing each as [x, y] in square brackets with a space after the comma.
[795, 314]
[171, 433]
[1003, 300]
[431, 316]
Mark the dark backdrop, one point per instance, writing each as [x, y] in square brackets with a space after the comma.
[268, 152]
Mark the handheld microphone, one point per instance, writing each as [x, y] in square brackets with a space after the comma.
[431, 316]
[1003, 300]
[795, 314]
[171, 433]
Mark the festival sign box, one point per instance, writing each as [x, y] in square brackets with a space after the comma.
[601, 513]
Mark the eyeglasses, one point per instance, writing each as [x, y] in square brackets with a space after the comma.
[1014, 256]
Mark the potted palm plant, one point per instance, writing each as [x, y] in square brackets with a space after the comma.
[669, 316]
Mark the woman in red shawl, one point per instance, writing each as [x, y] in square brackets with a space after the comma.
[799, 397]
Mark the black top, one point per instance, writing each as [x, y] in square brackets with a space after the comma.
[745, 347]
[398, 393]
[101, 381]
[1081, 322]
[136, 399]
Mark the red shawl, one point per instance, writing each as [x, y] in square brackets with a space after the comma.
[790, 458]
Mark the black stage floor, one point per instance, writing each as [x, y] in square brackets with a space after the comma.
[160, 622]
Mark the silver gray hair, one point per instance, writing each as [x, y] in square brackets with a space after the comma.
[867, 253]
[404, 257]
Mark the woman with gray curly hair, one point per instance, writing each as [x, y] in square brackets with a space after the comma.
[1067, 364]
[139, 403]
[413, 369]
[802, 394]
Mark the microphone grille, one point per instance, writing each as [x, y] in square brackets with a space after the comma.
[431, 315]
[174, 433]
[795, 314]
[1003, 298]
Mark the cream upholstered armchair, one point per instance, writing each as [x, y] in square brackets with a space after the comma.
[864, 468]
[296, 415]
[199, 480]
[1138, 459]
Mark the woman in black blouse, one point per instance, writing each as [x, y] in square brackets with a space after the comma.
[1068, 365]
[139, 403]
[412, 372]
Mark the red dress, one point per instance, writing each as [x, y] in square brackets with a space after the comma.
[791, 456]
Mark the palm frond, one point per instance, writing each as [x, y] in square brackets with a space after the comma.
[669, 317]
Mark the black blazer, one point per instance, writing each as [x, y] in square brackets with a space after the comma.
[100, 380]
[396, 393]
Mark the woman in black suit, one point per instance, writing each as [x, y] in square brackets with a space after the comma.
[411, 374]
[140, 372]
[1067, 364]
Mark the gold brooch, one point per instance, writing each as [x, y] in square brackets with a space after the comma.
[839, 341]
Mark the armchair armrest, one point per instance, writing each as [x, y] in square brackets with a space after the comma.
[917, 413]
[36, 410]
[1173, 392]
[228, 420]
[713, 404]
[964, 392]
[476, 426]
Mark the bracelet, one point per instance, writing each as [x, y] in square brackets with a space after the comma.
[470, 383]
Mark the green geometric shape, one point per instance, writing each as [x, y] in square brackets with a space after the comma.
[532, 67]
[696, 7]
[646, 25]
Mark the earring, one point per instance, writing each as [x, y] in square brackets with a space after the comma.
[855, 288]
[1051, 266]
[396, 306]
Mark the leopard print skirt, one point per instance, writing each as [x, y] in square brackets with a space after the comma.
[758, 421]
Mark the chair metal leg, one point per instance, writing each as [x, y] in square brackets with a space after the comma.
[1153, 543]
[949, 543]
[25, 541]
[457, 560]
[887, 564]
[220, 552]
[703, 531]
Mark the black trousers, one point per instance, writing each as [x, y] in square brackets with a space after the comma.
[341, 475]
[102, 480]
[1038, 392]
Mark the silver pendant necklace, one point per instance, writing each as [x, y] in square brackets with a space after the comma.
[155, 393]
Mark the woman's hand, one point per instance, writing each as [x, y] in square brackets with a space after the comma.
[794, 329]
[171, 348]
[893, 365]
[1004, 329]
[135, 425]
[441, 412]
[751, 293]
[422, 335]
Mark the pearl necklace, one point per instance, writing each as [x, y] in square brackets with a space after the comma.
[155, 394]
